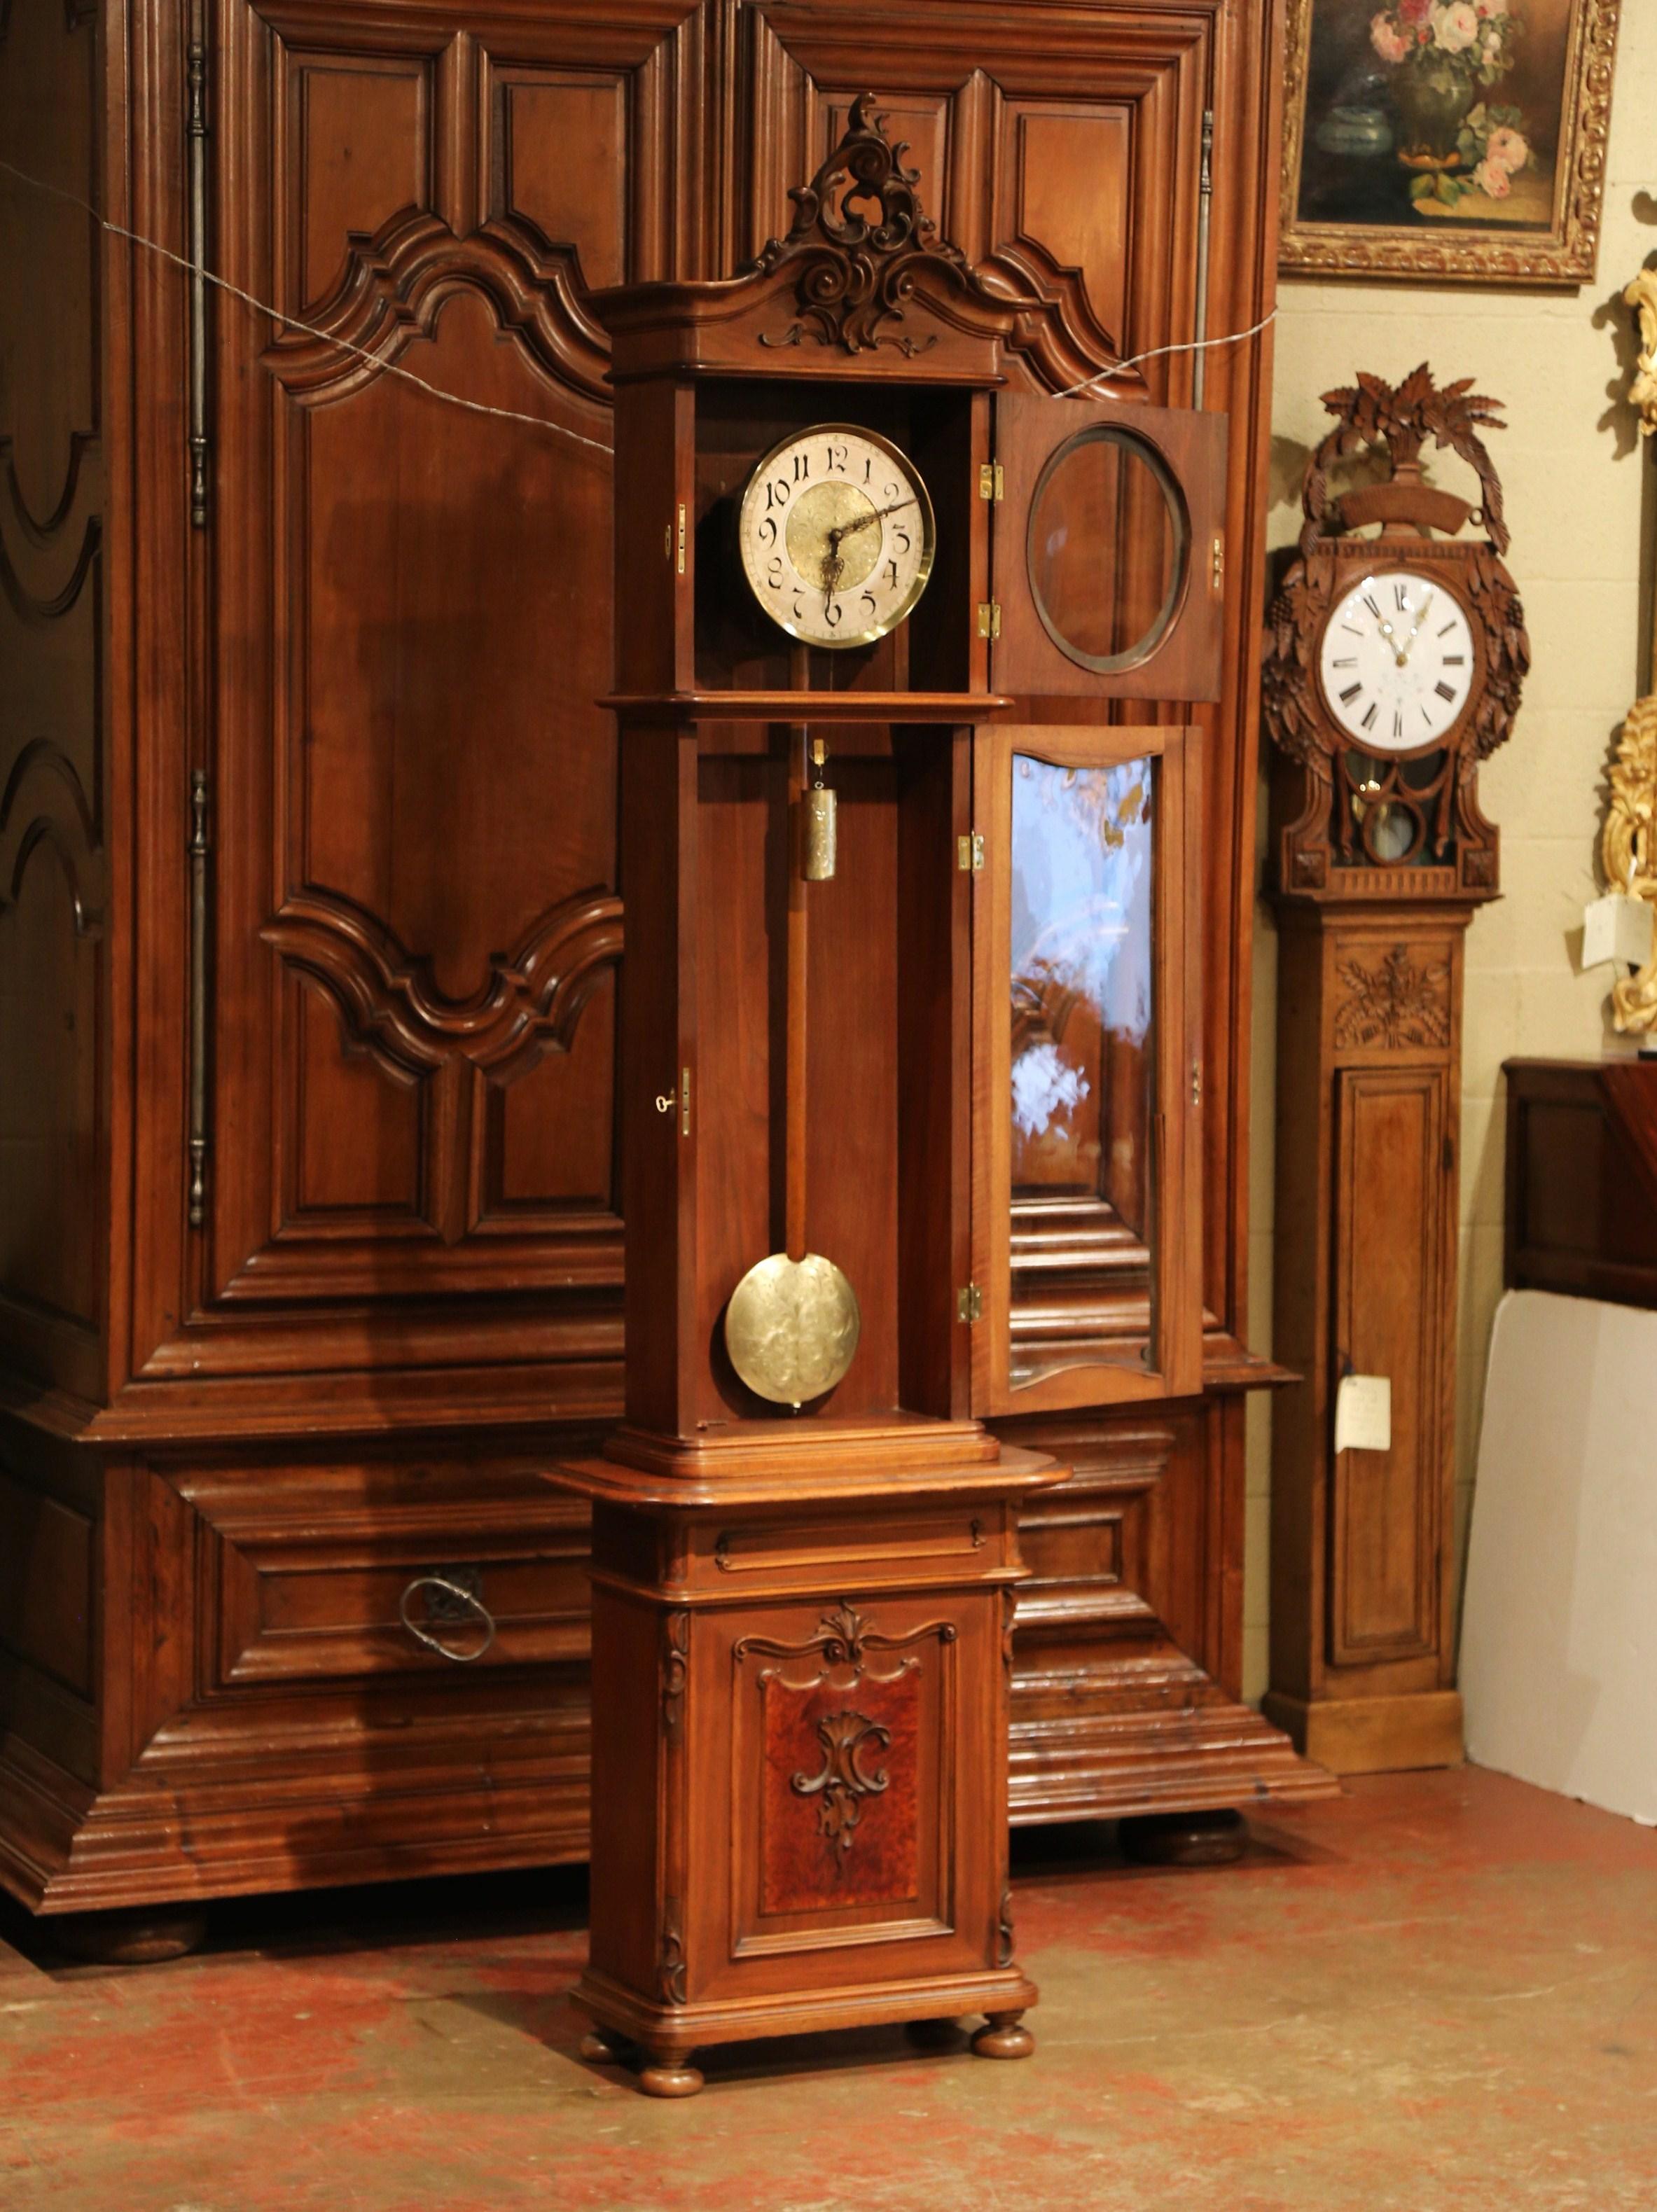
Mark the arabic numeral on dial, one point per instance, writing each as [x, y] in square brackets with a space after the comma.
[871, 603]
[777, 492]
[799, 610]
[774, 572]
[833, 614]
[766, 533]
[903, 536]
[892, 491]
[801, 467]
[892, 574]
[835, 463]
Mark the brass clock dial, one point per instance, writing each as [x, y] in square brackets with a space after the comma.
[837, 535]
[1396, 661]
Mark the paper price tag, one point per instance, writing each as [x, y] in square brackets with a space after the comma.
[1364, 1414]
[1617, 929]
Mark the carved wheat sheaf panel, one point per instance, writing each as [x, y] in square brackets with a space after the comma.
[1393, 1003]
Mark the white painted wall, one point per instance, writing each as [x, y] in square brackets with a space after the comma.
[1576, 478]
[1559, 1632]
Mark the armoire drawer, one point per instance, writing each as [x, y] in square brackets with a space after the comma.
[311, 1574]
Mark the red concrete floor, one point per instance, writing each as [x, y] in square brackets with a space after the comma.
[1438, 1995]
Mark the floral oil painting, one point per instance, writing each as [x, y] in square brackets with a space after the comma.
[1446, 138]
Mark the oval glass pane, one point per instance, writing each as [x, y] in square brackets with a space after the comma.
[1108, 548]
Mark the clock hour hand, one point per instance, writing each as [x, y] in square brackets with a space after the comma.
[1391, 637]
[1414, 631]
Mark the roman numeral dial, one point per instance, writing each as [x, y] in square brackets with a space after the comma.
[1395, 660]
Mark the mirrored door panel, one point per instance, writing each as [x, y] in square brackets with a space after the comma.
[1087, 1123]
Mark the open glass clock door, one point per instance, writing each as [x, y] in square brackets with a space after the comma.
[1108, 550]
[1086, 1141]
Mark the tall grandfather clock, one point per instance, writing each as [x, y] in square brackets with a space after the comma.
[1394, 668]
[909, 1069]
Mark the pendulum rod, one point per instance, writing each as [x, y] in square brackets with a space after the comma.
[794, 1088]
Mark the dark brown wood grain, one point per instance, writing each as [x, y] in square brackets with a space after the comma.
[382, 650]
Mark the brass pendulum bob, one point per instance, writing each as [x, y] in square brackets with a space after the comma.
[792, 1324]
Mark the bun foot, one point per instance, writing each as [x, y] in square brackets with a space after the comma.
[145, 1937]
[1184, 1839]
[933, 2034]
[669, 2073]
[1003, 2038]
[602, 2047]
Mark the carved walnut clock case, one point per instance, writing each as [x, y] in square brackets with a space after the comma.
[909, 1026]
[1394, 668]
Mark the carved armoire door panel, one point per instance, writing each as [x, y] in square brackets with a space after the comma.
[416, 920]
[1066, 160]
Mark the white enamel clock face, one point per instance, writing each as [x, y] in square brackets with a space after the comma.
[837, 535]
[1397, 661]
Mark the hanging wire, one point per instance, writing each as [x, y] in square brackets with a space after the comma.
[1108, 375]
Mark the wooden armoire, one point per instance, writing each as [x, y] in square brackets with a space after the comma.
[311, 899]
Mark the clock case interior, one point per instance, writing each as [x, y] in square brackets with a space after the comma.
[905, 1158]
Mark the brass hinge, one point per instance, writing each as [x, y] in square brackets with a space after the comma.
[969, 852]
[989, 480]
[684, 1103]
[989, 619]
[1196, 1083]
[969, 1303]
[1219, 560]
[681, 537]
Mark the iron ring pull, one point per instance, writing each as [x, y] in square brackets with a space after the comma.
[457, 1593]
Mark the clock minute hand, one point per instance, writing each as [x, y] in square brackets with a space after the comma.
[874, 514]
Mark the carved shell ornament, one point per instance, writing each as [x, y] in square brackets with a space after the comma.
[858, 268]
[1642, 296]
[1628, 847]
[1628, 853]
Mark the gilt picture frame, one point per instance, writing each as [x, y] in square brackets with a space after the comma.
[1456, 141]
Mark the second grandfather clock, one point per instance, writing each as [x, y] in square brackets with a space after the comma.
[906, 629]
[1394, 668]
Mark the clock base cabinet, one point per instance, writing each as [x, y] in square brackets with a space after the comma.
[804, 1826]
[1369, 1122]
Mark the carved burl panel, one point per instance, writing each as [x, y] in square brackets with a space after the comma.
[845, 1745]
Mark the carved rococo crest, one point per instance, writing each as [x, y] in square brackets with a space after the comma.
[856, 269]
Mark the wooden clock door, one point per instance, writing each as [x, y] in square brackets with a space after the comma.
[1108, 561]
[1086, 1135]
